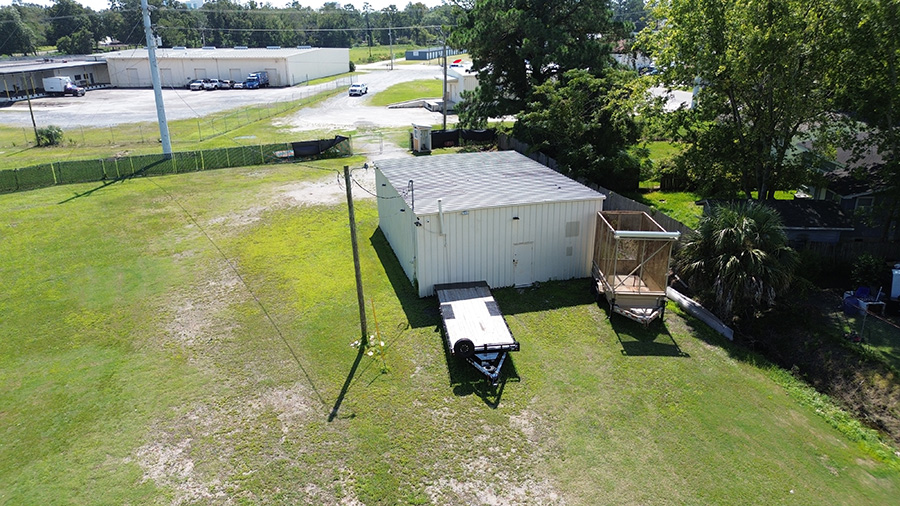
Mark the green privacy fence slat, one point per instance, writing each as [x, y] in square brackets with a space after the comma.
[153, 165]
[187, 161]
[82, 171]
[8, 181]
[36, 176]
[79, 171]
[215, 159]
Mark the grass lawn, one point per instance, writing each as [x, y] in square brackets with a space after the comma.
[677, 205]
[186, 340]
[412, 90]
[239, 127]
[662, 150]
[360, 55]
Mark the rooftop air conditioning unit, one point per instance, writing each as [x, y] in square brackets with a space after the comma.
[273, 47]
[209, 48]
[240, 47]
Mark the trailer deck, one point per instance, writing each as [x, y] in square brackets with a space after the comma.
[631, 263]
[474, 328]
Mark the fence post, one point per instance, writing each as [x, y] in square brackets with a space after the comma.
[16, 176]
[202, 163]
[262, 157]
[103, 168]
[52, 170]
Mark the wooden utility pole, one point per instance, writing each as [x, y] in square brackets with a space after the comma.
[37, 140]
[359, 288]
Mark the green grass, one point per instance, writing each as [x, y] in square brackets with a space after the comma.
[136, 367]
[676, 205]
[662, 150]
[245, 126]
[360, 55]
[404, 92]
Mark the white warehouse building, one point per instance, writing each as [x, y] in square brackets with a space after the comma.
[498, 217]
[178, 66]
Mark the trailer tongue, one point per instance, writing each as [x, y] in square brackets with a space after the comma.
[474, 328]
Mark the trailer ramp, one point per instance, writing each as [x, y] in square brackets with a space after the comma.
[474, 328]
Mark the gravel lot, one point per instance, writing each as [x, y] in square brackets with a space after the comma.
[109, 107]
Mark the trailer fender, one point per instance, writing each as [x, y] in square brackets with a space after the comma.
[464, 348]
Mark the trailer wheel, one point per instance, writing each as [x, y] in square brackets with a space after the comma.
[464, 348]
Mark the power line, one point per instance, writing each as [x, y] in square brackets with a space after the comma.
[298, 29]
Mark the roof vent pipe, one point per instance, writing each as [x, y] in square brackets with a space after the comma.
[441, 215]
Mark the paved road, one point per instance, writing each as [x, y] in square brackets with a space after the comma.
[110, 107]
[345, 112]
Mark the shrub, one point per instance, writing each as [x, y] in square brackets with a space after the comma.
[352, 67]
[49, 136]
[867, 270]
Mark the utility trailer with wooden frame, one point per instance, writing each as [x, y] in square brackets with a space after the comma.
[631, 263]
[474, 328]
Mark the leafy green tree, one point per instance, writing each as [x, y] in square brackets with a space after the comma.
[17, 36]
[66, 18]
[80, 42]
[763, 72]
[585, 123]
[517, 45]
[869, 86]
[738, 260]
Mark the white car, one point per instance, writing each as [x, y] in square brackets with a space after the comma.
[211, 84]
[196, 85]
[358, 89]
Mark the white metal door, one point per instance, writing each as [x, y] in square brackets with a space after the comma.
[132, 75]
[523, 263]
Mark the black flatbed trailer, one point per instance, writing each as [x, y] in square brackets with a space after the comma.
[474, 328]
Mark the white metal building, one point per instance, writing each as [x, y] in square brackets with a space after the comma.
[460, 80]
[498, 217]
[178, 66]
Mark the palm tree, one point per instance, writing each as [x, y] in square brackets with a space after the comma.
[738, 260]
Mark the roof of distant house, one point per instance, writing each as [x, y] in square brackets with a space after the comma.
[803, 214]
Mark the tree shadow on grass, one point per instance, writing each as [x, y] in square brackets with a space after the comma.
[636, 340]
[139, 173]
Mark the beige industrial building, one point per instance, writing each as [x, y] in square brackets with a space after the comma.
[179, 65]
[21, 78]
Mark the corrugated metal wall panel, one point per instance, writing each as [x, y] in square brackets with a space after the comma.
[398, 227]
[480, 245]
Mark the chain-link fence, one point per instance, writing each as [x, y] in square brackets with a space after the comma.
[185, 131]
[110, 169]
[873, 326]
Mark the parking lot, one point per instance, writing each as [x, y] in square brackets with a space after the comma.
[110, 107]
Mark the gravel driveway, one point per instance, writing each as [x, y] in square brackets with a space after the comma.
[110, 107]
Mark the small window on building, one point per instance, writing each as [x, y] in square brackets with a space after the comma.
[865, 202]
[573, 228]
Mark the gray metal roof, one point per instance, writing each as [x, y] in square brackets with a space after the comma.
[470, 181]
[17, 67]
[220, 53]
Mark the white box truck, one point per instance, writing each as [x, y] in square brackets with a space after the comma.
[62, 85]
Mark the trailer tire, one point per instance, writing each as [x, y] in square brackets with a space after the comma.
[464, 348]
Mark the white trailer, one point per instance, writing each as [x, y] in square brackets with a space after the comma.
[62, 85]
